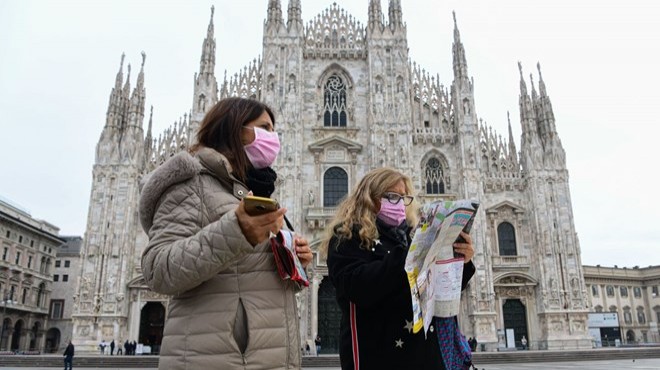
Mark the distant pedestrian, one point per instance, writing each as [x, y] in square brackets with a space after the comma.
[127, 348]
[317, 341]
[112, 347]
[119, 351]
[102, 346]
[523, 341]
[68, 356]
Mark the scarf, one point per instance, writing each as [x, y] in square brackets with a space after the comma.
[454, 348]
[261, 182]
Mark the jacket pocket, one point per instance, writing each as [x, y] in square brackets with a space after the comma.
[240, 330]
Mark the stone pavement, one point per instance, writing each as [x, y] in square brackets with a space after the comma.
[639, 364]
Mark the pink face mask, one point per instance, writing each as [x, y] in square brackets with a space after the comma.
[263, 151]
[392, 214]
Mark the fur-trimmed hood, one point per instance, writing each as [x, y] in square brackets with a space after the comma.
[175, 170]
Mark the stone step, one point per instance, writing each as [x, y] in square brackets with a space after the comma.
[333, 360]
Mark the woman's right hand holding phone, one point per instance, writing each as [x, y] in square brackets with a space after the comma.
[256, 229]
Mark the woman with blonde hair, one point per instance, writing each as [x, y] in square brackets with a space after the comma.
[366, 248]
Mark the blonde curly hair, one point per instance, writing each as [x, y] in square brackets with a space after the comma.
[362, 205]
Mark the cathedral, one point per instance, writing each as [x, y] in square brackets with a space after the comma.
[348, 99]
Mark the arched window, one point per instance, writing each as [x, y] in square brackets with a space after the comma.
[610, 291]
[613, 309]
[624, 291]
[335, 186]
[627, 316]
[641, 318]
[594, 291]
[506, 238]
[638, 292]
[334, 98]
[598, 308]
[434, 176]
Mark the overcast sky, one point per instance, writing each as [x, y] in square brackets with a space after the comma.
[599, 59]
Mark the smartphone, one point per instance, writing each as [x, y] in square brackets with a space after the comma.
[255, 206]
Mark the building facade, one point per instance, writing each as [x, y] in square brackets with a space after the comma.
[632, 293]
[60, 308]
[347, 99]
[28, 248]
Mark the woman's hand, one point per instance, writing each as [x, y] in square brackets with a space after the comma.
[466, 249]
[256, 229]
[303, 251]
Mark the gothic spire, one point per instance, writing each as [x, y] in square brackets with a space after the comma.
[274, 19]
[127, 85]
[395, 14]
[541, 83]
[114, 103]
[513, 153]
[294, 15]
[207, 61]
[137, 99]
[460, 63]
[148, 141]
[530, 145]
[205, 93]
[140, 80]
[523, 85]
[120, 74]
[375, 14]
[531, 82]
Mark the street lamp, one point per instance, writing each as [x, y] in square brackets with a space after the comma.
[6, 300]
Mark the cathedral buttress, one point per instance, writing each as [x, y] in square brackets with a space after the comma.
[562, 303]
[100, 309]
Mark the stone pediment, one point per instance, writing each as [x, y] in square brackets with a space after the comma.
[335, 149]
[504, 205]
[335, 141]
[514, 279]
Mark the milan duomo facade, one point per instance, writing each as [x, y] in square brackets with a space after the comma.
[347, 99]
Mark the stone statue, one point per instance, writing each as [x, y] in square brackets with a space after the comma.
[310, 196]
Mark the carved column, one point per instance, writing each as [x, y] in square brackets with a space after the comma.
[316, 284]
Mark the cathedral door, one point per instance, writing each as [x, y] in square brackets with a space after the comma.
[152, 320]
[515, 317]
[329, 318]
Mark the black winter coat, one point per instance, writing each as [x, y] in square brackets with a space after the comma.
[374, 296]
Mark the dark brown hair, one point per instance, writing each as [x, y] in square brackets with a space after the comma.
[221, 130]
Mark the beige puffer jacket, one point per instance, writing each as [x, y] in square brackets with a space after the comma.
[229, 307]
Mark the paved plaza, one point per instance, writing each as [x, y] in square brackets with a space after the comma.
[641, 364]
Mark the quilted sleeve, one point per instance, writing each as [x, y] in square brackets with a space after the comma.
[181, 254]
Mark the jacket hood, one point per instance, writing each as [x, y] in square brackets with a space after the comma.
[177, 169]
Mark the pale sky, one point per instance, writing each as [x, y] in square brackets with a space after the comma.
[599, 59]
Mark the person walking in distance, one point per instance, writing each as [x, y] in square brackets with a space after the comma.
[317, 341]
[112, 347]
[523, 341]
[68, 356]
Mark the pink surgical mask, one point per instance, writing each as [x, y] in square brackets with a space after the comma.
[392, 214]
[263, 151]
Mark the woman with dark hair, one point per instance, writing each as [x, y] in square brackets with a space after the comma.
[229, 308]
[366, 247]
